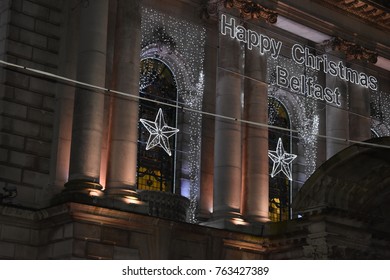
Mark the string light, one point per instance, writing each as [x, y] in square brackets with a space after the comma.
[149, 74]
[180, 45]
[178, 106]
[160, 132]
[380, 112]
[301, 110]
[281, 160]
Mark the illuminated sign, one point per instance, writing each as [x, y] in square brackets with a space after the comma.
[250, 38]
[302, 56]
[281, 160]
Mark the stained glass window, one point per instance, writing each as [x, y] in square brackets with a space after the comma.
[279, 186]
[155, 169]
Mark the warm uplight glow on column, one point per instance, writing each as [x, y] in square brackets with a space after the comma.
[132, 200]
[255, 202]
[122, 161]
[87, 131]
[239, 221]
[94, 193]
[227, 153]
[208, 128]
[103, 168]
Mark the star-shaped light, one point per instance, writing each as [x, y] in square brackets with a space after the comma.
[282, 160]
[159, 132]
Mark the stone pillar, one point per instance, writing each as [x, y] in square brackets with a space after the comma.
[208, 124]
[256, 198]
[359, 116]
[227, 145]
[122, 164]
[337, 122]
[87, 127]
[65, 100]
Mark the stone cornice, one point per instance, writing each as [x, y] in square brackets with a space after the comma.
[366, 10]
[352, 51]
[247, 9]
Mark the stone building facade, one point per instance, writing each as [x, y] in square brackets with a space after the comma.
[272, 141]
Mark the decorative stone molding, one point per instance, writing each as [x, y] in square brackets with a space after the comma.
[351, 50]
[8, 194]
[89, 188]
[366, 10]
[247, 8]
[165, 205]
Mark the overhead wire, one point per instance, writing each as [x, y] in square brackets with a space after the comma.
[180, 106]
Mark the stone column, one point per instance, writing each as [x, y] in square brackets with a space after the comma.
[122, 164]
[227, 145]
[65, 100]
[359, 116]
[89, 104]
[256, 199]
[337, 123]
[208, 124]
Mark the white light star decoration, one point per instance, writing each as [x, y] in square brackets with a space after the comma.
[160, 132]
[282, 160]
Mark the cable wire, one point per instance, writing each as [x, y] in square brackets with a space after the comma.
[182, 107]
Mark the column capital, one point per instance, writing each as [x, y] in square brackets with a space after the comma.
[88, 112]
[247, 9]
[351, 50]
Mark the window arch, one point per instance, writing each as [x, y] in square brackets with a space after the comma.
[279, 186]
[155, 168]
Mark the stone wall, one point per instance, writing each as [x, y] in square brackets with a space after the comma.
[80, 231]
[29, 37]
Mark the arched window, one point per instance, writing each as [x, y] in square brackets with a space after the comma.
[155, 169]
[279, 186]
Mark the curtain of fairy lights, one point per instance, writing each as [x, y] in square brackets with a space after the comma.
[180, 45]
[302, 111]
[380, 112]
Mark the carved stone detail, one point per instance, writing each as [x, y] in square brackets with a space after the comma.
[247, 8]
[165, 205]
[366, 10]
[351, 50]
